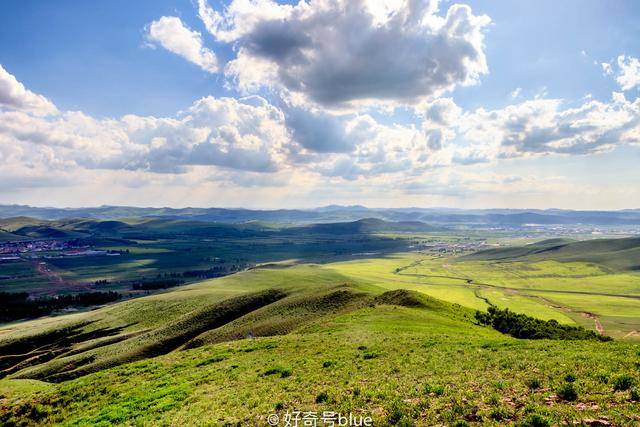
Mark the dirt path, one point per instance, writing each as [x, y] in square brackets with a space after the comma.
[57, 280]
[588, 315]
[596, 320]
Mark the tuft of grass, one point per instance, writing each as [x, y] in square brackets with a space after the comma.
[437, 390]
[500, 414]
[534, 383]
[567, 391]
[322, 397]
[278, 370]
[535, 420]
[623, 382]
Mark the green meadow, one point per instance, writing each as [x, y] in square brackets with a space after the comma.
[392, 336]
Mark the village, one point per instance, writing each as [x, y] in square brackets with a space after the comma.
[46, 248]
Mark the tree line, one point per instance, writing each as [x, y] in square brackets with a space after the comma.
[18, 305]
[523, 326]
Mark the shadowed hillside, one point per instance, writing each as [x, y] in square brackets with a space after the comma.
[619, 254]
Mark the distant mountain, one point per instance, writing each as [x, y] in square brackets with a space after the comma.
[153, 227]
[370, 225]
[335, 213]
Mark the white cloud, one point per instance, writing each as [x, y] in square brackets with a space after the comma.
[14, 95]
[247, 143]
[516, 92]
[170, 33]
[542, 126]
[339, 53]
[245, 134]
[629, 74]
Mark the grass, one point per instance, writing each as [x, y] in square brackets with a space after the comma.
[543, 289]
[432, 366]
[342, 336]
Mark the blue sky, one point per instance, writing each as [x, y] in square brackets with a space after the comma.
[318, 144]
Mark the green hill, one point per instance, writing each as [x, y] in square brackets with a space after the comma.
[369, 225]
[619, 254]
[344, 337]
[163, 227]
[300, 339]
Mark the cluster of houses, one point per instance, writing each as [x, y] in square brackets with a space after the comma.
[14, 250]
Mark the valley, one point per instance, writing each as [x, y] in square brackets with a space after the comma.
[314, 314]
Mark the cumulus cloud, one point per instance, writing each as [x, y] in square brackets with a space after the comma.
[246, 134]
[341, 52]
[170, 33]
[542, 126]
[629, 74]
[249, 142]
[14, 95]
[319, 132]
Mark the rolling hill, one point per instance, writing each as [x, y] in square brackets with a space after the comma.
[170, 227]
[439, 216]
[620, 254]
[369, 225]
[231, 351]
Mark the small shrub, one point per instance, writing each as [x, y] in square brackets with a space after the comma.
[535, 420]
[499, 414]
[500, 385]
[396, 415]
[213, 359]
[283, 372]
[567, 392]
[438, 390]
[634, 394]
[493, 400]
[623, 383]
[322, 397]
[369, 355]
[570, 378]
[533, 383]
[279, 406]
[328, 363]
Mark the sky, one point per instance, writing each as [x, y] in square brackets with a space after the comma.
[297, 104]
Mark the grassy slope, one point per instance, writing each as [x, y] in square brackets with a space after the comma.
[426, 363]
[138, 328]
[619, 254]
[328, 314]
[565, 291]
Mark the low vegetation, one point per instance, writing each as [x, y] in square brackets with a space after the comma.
[408, 338]
[523, 326]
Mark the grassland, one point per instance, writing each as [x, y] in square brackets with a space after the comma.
[142, 249]
[337, 336]
[425, 364]
[573, 292]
